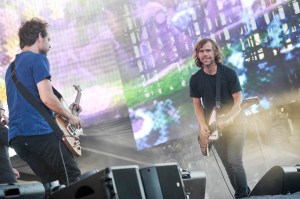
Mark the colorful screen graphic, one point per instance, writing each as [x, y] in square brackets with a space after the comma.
[134, 57]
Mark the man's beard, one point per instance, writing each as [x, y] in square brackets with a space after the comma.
[208, 64]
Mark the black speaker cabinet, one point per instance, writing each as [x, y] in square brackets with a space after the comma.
[278, 180]
[87, 188]
[120, 182]
[26, 190]
[124, 182]
[194, 183]
[163, 181]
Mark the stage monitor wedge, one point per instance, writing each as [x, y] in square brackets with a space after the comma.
[194, 183]
[163, 181]
[118, 182]
[278, 180]
[87, 188]
[123, 182]
[24, 190]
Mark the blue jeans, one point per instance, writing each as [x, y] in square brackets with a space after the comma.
[43, 153]
[230, 150]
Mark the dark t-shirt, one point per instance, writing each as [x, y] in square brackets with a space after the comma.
[203, 86]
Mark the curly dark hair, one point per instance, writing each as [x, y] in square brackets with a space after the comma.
[29, 31]
[216, 48]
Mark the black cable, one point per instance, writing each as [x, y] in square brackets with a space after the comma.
[63, 161]
[212, 149]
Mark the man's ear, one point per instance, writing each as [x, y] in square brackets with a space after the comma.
[39, 37]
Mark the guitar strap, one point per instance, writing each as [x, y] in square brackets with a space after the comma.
[37, 104]
[218, 90]
[218, 86]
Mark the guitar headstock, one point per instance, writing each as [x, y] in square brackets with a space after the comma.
[77, 87]
[250, 101]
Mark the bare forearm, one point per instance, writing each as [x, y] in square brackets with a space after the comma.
[55, 105]
[200, 115]
[50, 100]
[199, 112]
[237, 101]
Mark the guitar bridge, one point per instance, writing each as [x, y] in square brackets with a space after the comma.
[74, 131]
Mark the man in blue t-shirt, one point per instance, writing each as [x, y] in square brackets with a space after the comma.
[208, 57]
[29, 133]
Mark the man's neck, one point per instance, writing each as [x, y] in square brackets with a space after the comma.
[211, 69]
[32, 48]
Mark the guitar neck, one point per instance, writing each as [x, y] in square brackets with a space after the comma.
[234, 112]
[244, 105]
[78, 97]
[77, 100]
[74, 109]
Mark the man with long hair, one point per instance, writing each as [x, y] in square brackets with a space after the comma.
[208, 56]
[29, 133]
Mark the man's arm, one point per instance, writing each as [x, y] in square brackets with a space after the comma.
[231, 115]
[51, 101]
[237, 101]
[200, 115]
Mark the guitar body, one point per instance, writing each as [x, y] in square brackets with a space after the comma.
[71, 136]
[71, 133]
[205, 143]
[212, 123]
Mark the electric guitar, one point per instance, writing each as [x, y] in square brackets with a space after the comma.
[71, 133]
[205, 143]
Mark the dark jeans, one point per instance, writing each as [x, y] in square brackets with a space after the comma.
[43, 153]
[6, 173]
[230, 150]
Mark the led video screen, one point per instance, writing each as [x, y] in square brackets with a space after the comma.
[134, 57]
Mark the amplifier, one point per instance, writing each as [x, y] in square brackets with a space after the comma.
[123, 182]
[119, 182]
[194, 183]
[163, 181]
[28, 190]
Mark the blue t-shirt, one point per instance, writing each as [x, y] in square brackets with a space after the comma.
[24, 120]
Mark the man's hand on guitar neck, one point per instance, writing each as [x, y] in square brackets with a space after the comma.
[75, 108]
[224, 121]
